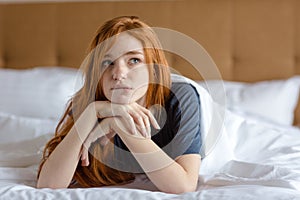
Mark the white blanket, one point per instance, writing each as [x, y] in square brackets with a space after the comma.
[249, 160]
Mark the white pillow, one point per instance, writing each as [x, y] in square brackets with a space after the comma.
[18, 128]
[214, 135]
[23, 153]
[40, 92]
[274, 100]
[22, 139]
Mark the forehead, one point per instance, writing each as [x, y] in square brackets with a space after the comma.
[124, 43]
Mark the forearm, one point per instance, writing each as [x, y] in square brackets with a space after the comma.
[163, 171]
[59, 168]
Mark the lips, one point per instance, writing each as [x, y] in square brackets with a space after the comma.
[121, 87]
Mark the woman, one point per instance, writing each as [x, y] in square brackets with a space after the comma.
[108, 133]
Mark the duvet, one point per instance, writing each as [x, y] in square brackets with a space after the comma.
[250, 159]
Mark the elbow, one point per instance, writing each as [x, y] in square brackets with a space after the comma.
[183, 188]
[52, 182]
[49, 186]
[41, 185]
[186, 188]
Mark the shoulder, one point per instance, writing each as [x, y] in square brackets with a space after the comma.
[184, 92]
[183, 101]
[182, 86]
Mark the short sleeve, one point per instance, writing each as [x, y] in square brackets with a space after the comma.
[184, 121]
[180, 131]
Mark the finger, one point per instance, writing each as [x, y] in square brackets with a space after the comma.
[141, 132]
[140, 118]
[84, 156]
[149, 134]
[147, 126]
[146, 122]
[87, 143]
[145, 133]
[140, 122]
[147, 130]
[130, 123]
[152, 119]
[85, 162]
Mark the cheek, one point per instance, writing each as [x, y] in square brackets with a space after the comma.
[142, 76]
[143, 81]
[106, 85]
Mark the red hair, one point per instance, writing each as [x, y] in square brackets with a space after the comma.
[98, 174]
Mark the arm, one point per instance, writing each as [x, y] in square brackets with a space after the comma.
[59, 168]
[136, 118]
[168, 175]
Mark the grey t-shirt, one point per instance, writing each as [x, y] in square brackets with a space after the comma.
[180, 128]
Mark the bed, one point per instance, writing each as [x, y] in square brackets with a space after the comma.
[257, 154]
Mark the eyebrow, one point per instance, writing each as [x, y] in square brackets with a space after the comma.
[127, 53]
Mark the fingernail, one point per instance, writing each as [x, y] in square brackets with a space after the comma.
[157, 126]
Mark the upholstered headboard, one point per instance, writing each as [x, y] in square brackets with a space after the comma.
[249, 40]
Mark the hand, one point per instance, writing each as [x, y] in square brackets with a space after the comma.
[135, 115]
[104, 131]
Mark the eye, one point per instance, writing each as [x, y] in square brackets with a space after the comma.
[133, 61]
[106, 63]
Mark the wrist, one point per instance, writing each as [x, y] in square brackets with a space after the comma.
[102, 109]
[127, 137]
[86, 121]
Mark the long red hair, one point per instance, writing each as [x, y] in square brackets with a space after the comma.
[98, 174]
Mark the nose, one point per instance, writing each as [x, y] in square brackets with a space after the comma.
[120, 70]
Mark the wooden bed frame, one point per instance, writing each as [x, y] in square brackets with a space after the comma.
[249, 40]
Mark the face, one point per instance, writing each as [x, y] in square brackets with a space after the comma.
[126, 76]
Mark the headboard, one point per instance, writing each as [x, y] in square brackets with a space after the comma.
[249, 40]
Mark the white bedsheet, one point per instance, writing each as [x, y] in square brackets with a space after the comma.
[262, 161]
[245, 192]
[266, 165]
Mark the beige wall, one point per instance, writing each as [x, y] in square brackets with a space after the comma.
[249, 40]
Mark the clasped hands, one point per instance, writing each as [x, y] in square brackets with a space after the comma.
[132, 119]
